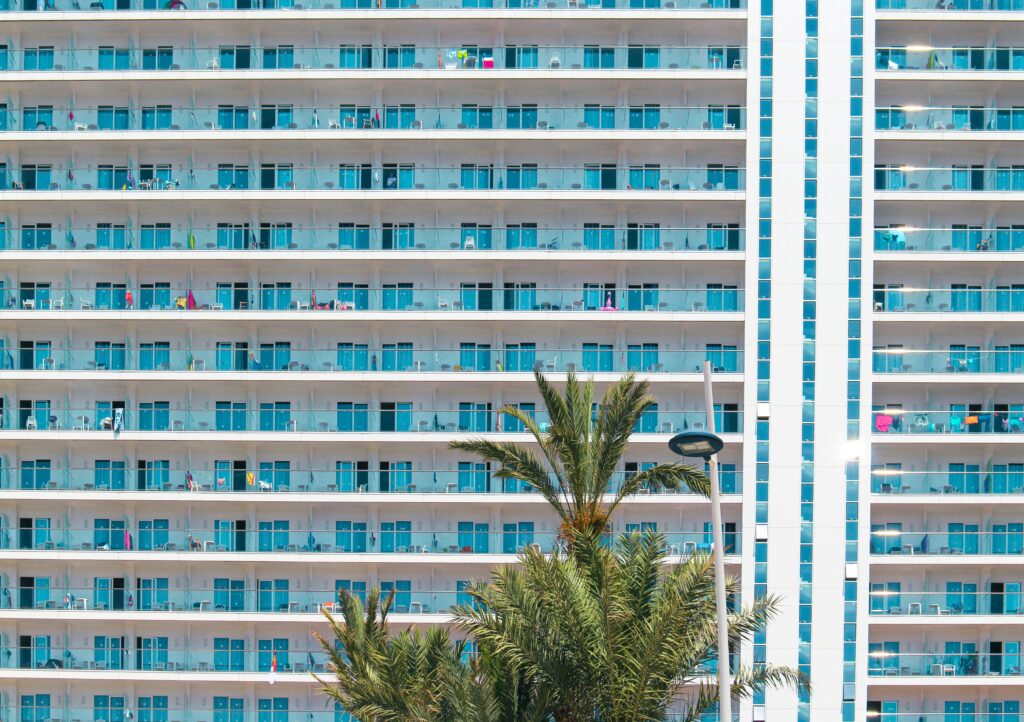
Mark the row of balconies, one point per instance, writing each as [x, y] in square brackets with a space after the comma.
[248, 484]
[1001, 479]
[957, 298]
[399, 297]
[352, 357]
[479, 56]
[966, 239]
[404, 236]
[984, 420]
[889, 659]
[277, 177]
[975, 5]
[948, 59]
[179, 5]
[274, 417]
[277, 117]
[341, 538]
[967, 178]
[957, 359]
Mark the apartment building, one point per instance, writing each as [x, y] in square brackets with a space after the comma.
[263, 259]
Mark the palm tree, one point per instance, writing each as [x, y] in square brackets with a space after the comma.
[581, 449]
[614, 635]
[415, 677]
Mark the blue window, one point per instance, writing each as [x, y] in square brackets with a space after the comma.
[273, 535]
[229, 594]
[474, 416]
[275, 475]
[155, 355]
[475, 356]
[110, 474]
[397, 356]
[353, 357]
[108, 652]
[353, 416]
[521, 117]
[111, 58]
[271, 595]
[275, 356]
[351, 475]
[352, 235]
[108, 708]
[515, 426]
[396, 416]
[355, 56]
[473, 537]
[156, 117]
[395, 475]
[474, 477]
[154, 708]
[516, 536]
[399, 236]
[153, 594]
[228, 709]
[39, 117]
[35, 474]
[598, 237]
[155, 236]
[598, 357]
[275, 415]
[228, 654]
[350, 536]
[40, 58]
[399, 116]
[355, 296]
[272, 709]
[397, 296]
[154, 534]
[35, 707]
[642, 357]
[36, 235]
[395, 536]
[155, 416]
[520, 356]
[159, 58]
[230, 416]
[402, 589]
[151, 654]
[517, 235]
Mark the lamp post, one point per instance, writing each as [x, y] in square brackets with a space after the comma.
[704, 445]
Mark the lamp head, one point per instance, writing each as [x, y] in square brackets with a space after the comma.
[696, 444]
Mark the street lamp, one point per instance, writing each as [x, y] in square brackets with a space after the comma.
[705, 445]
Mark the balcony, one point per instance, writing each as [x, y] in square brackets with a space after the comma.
[949, 60]
[966, 360]
[967, 541]
[286, 60]
[400, 298]
[967, 298]
[219, 601]
[359, 237]
[385, 5]
[260, 483]
[1001, 480]
[882, 662]
[358, 359]
[909, 180]
[465, 121]
[346, 538]
[958, 5]
[972, 421]
[347, 418]
[960, 119]
[934, 604]
[968, 239]
[282, 178]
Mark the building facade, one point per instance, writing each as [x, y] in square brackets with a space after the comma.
[263, 259]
